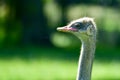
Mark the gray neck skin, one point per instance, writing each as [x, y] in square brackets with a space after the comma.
[86, 59]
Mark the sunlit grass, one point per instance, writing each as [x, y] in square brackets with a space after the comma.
[47, 69]
[106, 70]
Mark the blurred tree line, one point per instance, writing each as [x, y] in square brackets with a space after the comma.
[34, 21]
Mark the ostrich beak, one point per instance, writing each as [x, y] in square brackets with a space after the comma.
[67, 29]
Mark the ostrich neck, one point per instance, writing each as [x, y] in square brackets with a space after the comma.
[86, 59]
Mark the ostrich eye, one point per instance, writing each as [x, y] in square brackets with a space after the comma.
[78, 25]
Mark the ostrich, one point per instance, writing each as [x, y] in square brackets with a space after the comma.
[85, 29]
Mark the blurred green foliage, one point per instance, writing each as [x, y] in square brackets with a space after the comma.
[33, 25]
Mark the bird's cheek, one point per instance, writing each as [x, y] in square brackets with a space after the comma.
[89, 31]
[82, 31]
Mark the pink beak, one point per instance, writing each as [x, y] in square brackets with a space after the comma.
[66, 29]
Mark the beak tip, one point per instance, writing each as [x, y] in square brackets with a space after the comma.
[58, 29]
[61, 29]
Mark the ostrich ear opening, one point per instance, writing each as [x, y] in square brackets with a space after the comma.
[89, 30]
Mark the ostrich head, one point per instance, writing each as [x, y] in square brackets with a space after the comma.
[83, 28]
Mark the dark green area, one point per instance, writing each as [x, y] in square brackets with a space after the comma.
[105, 53]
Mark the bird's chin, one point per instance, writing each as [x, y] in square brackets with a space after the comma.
[67, 29]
